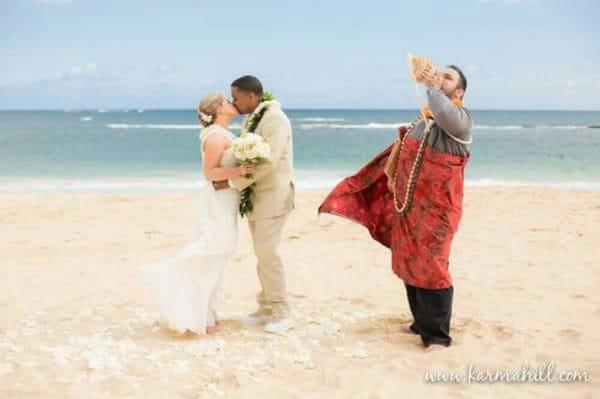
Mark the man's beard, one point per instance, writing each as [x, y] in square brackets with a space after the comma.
[451, 95]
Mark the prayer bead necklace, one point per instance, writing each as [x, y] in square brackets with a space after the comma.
[410, 186]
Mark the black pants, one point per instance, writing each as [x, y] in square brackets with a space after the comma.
[431, 310]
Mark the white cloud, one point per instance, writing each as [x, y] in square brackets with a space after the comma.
[76, 71]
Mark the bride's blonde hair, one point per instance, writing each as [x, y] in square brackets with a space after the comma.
[208, 108]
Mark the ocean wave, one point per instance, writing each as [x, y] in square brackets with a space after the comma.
[533, 126]
[151, 126]
[47, 186]
[40, 186]
[370, 125]
[385, 125]
[86, 118]
[159, 126]
[307, 183]
[321, 119]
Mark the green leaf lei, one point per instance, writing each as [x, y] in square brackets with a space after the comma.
[245, 196]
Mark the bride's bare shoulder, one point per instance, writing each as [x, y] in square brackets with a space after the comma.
[214, 141]
[214, 131]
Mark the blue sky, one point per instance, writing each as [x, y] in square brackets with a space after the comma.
[528, 54]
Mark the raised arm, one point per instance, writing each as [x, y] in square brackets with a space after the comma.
[455, 120]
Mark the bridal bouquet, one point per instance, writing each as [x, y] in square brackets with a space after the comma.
[251, 148]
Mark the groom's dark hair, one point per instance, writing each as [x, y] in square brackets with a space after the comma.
[249, 84]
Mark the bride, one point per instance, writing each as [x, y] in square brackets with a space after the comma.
[186, 287]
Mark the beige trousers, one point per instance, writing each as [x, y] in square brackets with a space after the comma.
[266, 237]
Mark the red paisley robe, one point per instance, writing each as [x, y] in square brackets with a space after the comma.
[420, 239]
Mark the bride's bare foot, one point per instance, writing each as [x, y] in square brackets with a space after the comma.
[212, 330]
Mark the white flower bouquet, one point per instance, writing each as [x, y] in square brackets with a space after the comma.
[250, 148]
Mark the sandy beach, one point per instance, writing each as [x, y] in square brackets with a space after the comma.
[76, 323]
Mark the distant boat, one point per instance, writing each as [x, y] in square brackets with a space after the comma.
[101, 111]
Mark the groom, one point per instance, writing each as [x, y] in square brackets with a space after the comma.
[273, 200]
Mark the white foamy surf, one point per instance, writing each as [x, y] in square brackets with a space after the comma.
[191, 184]
[159, 126]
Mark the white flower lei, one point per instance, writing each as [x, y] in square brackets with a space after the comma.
[262, 105]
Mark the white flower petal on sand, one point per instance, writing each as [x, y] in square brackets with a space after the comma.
[61, 354]
[205, 348]
[212, 388]
[103, 353]
[359, 351]
[28, 365]
[101, 361]
[302, 355]
[11, 334]
[29, 323]
[153, 357]
[325, 327]
[348, 318]
[6, 368]
[175, 347]
[182, 367]
[16, 348]
[127, 346]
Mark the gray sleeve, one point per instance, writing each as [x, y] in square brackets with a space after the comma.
[456, 121]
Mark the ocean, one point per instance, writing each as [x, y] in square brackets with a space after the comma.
[158, 150]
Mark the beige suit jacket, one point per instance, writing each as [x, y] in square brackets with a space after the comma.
[273, 192]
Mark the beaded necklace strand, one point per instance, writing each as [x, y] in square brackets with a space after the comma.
[416, 167]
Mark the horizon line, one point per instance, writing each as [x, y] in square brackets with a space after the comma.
[96, 109]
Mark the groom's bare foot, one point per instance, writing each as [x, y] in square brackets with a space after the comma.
[212, 330]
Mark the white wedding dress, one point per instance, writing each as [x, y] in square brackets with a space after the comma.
[186, 287]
